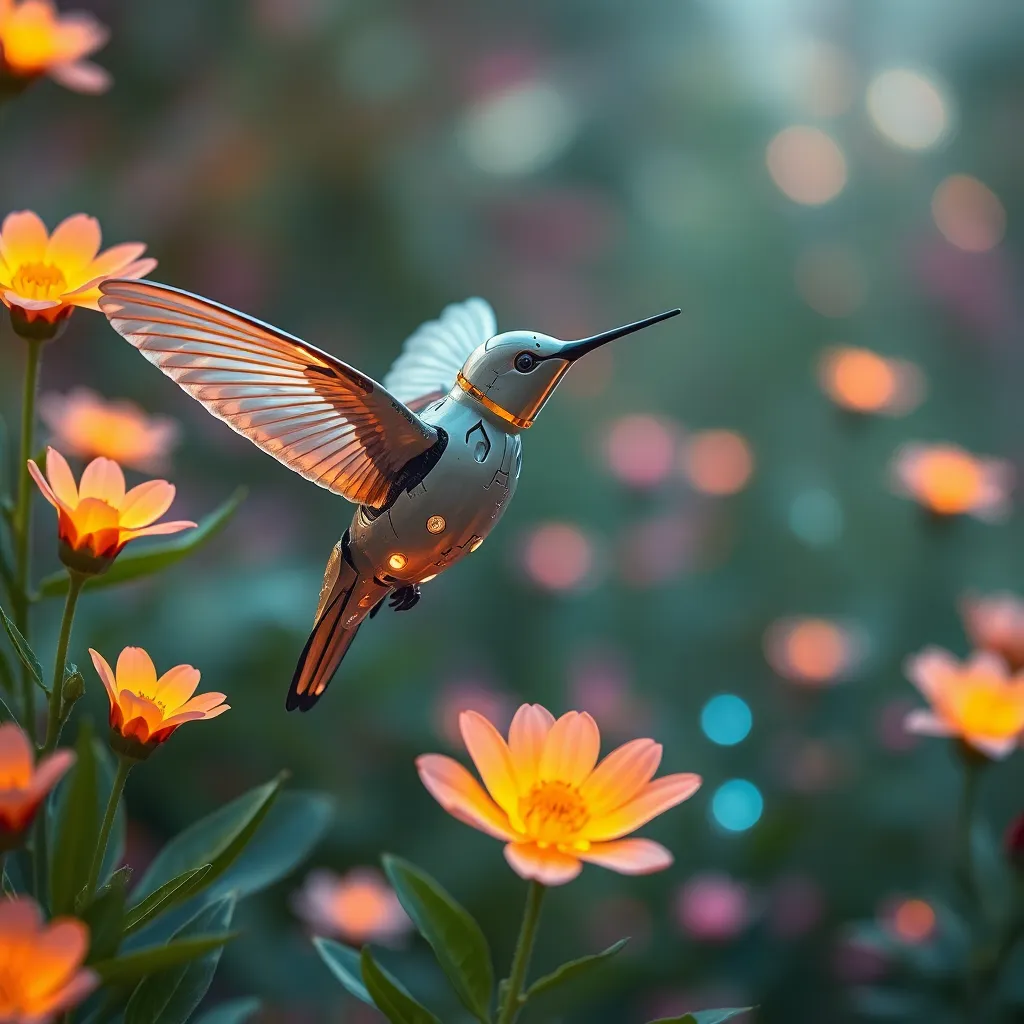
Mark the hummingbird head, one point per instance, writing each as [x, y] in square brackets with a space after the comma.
[514, 374]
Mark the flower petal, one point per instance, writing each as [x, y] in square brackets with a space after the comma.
[997, 749]
[205, 702]
[103, 479]
[114, 259]
[570, 749]
[160, 529]
[656, 798]
[461, 795]
[41, 483]
[23, 238]
[81, 76]
[135, 672]
[57, 954]
[19, 917]
[16, 756]
[146, 503]
[492, 758]
[50, 772]
[927, 723]
[930, 670]
[526, 736]
[62, 480]
[105, 673]
[175, 686]
[621, 775]
[73, 245]
[630, 856]
[548, 866]
[78, 987]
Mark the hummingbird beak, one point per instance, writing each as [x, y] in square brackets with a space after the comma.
[572, 350]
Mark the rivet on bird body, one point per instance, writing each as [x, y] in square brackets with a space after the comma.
[436, 524]
[397, 560]
[476, 544]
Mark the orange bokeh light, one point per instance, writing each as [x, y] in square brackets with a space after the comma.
[718, 462]
[913, 920]
[807, 165]
[811, 650]
[951, 481]
[558, 556]
[863, 381]
[640, 450]
[968, 213]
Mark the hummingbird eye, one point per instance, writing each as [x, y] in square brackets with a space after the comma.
[525, 362]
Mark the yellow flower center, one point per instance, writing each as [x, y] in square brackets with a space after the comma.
[950, 482]
[553, 812]
[31, 38]
[987, 710]
[39, 281]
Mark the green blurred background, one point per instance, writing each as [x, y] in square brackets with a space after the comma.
[344, 170]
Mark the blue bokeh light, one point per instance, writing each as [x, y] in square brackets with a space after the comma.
[726, 719]
[737, 805]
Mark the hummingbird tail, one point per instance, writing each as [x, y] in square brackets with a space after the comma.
[345, 601]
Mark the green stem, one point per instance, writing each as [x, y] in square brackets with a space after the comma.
[521, 959]
[124, 766]
[54, 718]
[23, 519]
[972, 766]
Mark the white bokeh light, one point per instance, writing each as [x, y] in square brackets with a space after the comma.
[909, 108]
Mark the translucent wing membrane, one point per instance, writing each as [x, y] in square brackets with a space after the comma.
[322, 418]
[436, 351]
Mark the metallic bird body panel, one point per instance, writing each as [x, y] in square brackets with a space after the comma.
[432, 457]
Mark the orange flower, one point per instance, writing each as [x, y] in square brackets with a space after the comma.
[43, 277]
[549, 802]
[36, 40]
[863, 381]
[358, 907]
[978, 700]
[86, 425]
[23, 784]
[41, 973]
[97, 519]
[950, 481]
[144, 710]
[812, 651]
[996, 623]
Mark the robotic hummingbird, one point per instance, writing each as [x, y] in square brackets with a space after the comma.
[432, 458]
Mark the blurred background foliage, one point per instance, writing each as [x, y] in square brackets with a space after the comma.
[345, 169]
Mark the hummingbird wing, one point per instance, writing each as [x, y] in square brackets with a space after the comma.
[320, 417]
[435, 352]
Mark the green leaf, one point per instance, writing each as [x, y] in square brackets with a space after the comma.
[237, 1011]
[172, 996]
[344, 963]
[390, 997]
[140, 962]
[216, 840]
[105, 916]
[77, 827]
[704, 1016]
[294, 825]
[24, 650]
[154, 558]
[176, 890]
[456, 939]
[573, 969]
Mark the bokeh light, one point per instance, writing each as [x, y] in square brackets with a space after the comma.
[640, 450]
[726, 719]
[909, 108]
[717, 462]
[948, 480]
[816, 517]
[737, 805]
[968, 213]
[813, 651]
[806, 164]
[912, 920]
[863, 381]
[558, 556]
[519, 129]
[713, 907]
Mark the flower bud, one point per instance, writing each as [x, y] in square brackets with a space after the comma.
[73, 689]
[1013, 843]
[38, 328]
[83, 560]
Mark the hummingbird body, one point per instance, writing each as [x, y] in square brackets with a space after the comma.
[431, 458]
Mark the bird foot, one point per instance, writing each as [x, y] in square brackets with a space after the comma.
[405, 598]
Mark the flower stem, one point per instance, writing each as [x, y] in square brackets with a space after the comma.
[521, 959]
[124, 766]
[54, 719]
[972, 766]
[23, 519]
